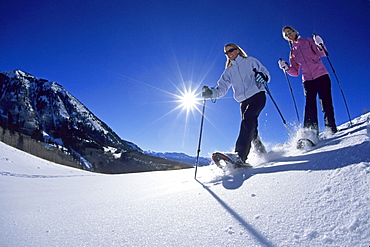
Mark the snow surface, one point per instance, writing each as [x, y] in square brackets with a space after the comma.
[318, 197]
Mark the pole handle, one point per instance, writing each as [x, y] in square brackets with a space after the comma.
[280, 59]
[322, 46]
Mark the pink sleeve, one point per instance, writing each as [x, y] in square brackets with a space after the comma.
[317, 49]
[293, 68]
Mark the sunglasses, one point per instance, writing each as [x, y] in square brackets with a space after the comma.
[231, 50]
[289, 32]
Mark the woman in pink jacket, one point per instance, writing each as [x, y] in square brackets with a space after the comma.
[306, 55]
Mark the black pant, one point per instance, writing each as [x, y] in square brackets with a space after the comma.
[320, 86]
[250, 110]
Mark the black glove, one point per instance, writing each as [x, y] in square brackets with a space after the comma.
[206, 92]
[260, 77]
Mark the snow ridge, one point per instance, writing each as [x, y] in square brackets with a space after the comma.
[316, 197]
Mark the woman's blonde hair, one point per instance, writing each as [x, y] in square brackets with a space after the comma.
[285, 37]
[287, 27]
[241, 53]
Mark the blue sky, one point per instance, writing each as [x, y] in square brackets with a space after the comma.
[126, 60]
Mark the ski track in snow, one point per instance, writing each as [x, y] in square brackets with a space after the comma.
[314, 197]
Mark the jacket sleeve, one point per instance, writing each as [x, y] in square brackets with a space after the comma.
[223, 85]
[294, 68]
[316, 49]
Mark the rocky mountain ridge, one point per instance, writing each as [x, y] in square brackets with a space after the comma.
[48, 113]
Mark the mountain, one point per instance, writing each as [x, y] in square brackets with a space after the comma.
[48, 113]
[180, 157]
[315, 197]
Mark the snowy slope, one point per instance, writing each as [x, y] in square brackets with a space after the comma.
[312, 198]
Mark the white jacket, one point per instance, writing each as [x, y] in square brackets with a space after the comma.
[240, 76]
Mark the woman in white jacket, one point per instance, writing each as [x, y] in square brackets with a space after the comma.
[246, 75]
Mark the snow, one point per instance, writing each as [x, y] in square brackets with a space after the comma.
[318, 197]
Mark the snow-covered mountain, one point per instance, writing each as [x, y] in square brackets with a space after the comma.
[48, 112]
[31, 103]
[318, 197]
[180, 157]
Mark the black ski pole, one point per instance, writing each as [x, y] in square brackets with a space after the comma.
[336, 77]
[273, 101]
[200, 139]
[291, 92]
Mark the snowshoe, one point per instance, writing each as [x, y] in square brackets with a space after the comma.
[307, 138]
[305, 143]
[222, 160]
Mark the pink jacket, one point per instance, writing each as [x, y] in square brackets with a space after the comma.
[306, 55]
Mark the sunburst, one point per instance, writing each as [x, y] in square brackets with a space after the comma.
[188, 99]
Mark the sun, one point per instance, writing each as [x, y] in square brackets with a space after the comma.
[188, 100]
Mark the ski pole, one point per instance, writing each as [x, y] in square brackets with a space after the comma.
[200, 139]
[291, 92]
[273, 101]
[336, 77]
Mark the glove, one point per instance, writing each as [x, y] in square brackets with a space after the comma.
[207, 93]
[318, 40]
[283, 65]
[260, 77]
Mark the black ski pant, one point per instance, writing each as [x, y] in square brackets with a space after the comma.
[322, 87]
[250, 110]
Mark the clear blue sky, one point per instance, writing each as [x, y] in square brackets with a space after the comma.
[125, 60]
